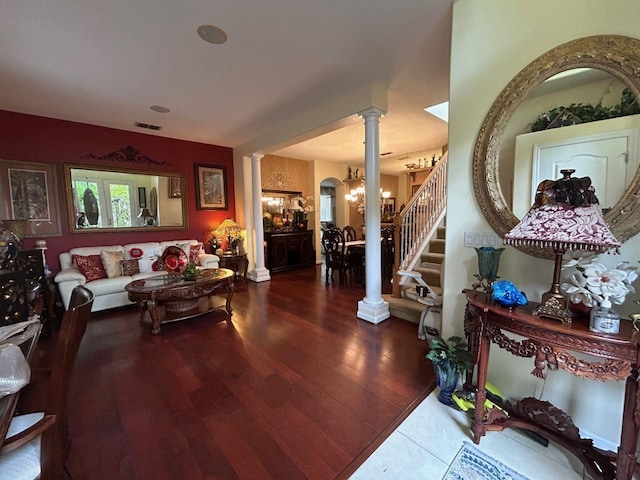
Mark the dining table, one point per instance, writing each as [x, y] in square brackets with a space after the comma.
[355, 251]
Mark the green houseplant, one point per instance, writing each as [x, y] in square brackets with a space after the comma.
[450, 358]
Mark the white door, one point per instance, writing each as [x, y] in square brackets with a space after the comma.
[604, 158]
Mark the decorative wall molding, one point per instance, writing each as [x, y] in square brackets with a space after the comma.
[126, 154]
[278, 179]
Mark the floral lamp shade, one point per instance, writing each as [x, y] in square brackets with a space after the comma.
[565, 216]
[563, 227]
[228, 228]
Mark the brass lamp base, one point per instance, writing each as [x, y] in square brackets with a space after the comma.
[553, 306]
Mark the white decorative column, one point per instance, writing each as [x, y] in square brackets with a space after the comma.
[259, 273]
[372, 307]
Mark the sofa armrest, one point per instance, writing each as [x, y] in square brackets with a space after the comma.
[70, 275]
[67, 280]
[209, 260]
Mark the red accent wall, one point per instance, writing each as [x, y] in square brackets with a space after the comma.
[31, 138]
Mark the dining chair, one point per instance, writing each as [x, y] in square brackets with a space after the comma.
[349, 233]
[37, 444]
[334, 255]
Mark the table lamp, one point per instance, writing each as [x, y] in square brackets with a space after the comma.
[229, 228]
[145, 215]
[565, 216]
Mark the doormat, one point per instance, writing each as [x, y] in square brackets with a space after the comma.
[472, 464]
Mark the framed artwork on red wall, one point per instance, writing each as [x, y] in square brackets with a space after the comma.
[28, 191]
[211, 187]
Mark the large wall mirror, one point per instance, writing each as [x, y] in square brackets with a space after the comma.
[597, 70]
[101, 200]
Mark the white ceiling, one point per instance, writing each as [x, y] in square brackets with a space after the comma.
[106, 62]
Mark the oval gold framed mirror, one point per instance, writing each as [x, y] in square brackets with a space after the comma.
[616, 55]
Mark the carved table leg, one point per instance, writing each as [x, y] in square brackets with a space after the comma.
[481, 394]
[230, 288]
[155, 320]
[626, 460]
[141, 309]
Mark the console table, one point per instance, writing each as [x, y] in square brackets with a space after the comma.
[549, 343]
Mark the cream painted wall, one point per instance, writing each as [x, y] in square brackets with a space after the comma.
[492, 41]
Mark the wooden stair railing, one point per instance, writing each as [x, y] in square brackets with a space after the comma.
[419, 220]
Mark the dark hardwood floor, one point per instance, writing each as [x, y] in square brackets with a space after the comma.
[294, 386]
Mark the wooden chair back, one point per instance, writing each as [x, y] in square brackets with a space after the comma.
[349, 233]
[333, 244]
[56, 441]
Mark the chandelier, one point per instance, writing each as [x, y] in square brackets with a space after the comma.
[356, 197]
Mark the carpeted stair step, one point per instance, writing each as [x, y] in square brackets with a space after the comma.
[436, 245]
[430, 274]
[432, 258]
[441, 232]
[404, 308]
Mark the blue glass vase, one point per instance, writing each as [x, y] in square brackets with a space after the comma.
[447, 376]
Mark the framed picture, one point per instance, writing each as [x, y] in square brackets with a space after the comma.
[175, 187]
[391, 204]
[211, 187]
[142, 197]
[28, 191]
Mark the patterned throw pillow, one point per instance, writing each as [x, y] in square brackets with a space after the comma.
[130, 267]
[194, 253]
[112, 262]
[90, 266]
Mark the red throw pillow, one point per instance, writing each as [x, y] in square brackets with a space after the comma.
[194, 254]
[90, 266]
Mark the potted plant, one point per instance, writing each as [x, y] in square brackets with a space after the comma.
[190, 272]
[450, 358]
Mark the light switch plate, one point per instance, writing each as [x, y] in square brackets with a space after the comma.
[482, 239]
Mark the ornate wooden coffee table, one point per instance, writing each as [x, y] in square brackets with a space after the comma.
[170, 298]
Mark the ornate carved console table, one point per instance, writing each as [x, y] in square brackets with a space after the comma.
[549, 343]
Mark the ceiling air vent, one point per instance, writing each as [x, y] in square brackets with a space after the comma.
[148, 126]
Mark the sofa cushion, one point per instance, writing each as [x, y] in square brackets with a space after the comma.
[112, 262]
[90, 266]
[130, 267]
[107, 286]
[147, 254]
[194, 253]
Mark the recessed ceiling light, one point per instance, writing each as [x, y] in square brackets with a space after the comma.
[212, 34]
[441, 111]
[159, 109]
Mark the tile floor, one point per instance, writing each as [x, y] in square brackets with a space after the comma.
[424, 445]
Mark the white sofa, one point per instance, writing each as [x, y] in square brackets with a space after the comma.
[110, 292]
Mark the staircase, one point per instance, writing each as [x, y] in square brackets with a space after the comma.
[419, 244]
[430, 266]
